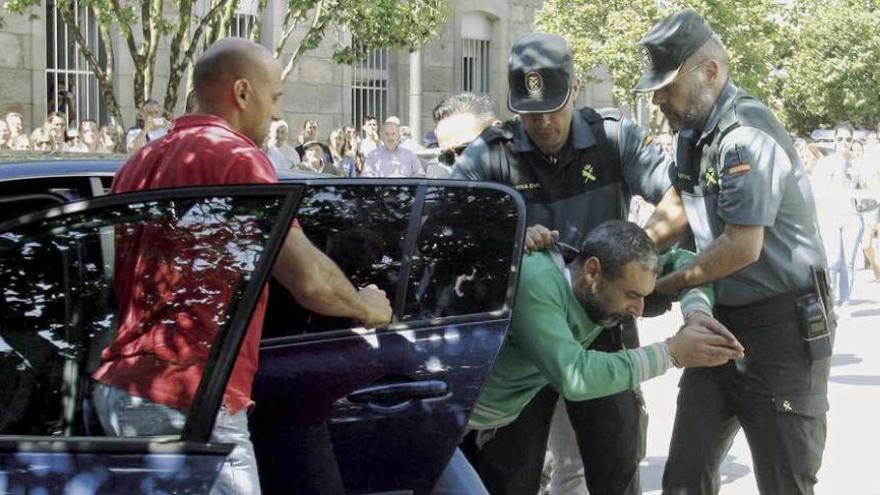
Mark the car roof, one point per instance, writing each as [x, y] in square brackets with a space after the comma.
[95, 167]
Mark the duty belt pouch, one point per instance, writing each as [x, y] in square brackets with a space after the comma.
[814, 326]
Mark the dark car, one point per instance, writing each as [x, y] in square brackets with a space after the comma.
[395, 401]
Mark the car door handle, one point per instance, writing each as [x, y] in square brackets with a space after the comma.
[395, 393]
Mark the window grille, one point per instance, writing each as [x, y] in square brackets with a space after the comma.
[71, 86]
[369, 87]
[475, 65]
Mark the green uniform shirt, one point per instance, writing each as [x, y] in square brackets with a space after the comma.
[546, 344]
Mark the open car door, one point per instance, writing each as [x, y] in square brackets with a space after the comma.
[392, 402]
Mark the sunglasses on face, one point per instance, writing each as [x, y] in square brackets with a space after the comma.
[844, 139]
[450, 155]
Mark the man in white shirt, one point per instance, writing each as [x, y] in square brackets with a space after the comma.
[390, 159]
[155, 126]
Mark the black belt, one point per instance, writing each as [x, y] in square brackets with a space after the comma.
[770, 311]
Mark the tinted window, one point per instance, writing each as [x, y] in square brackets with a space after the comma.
[179, 266]
[362, 229]
[18, 197]
[463, 254]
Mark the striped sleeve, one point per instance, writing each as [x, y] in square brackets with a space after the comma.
[695, 299]
[650, 361]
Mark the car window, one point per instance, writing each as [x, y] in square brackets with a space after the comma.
[18, 197]
[454, 259]
[463, 254]
[362, 229]
[181, 265]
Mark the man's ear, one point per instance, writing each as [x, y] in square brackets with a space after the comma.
[592, 270]
[713, 70]
[575, 90]
[241, 89]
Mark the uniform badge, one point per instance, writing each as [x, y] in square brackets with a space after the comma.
[534, 84]
[588, 173]
[711, 177]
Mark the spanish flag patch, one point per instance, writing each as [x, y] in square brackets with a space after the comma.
[649, 139]
[739, 169]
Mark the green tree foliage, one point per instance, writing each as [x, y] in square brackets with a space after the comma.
[606, 33]
[831, 64]
[144, 25]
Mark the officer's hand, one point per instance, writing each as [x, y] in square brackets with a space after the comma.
[701, 319]
[656, 304]
[539, 237]
[696, 346]
[378, 306]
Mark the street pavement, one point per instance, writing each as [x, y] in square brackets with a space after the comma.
[850, 465]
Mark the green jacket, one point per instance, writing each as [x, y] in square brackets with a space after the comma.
[547, 341]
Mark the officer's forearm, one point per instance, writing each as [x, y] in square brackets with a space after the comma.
[736, 248]
[668, 222]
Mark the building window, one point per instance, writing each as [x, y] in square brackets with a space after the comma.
[71, 85]
[244, 20]
[475, 65]
[476, 33]
[241, 25]
[369, 87]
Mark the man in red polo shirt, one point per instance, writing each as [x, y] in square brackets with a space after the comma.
[170, 311]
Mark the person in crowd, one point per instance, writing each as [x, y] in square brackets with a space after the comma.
[576, 169]
[370, 139]
[314, 159]
[238, 86]
[407, 141]
[308, 134]
[41, 140]
[746, 197]
[353, 146]
[109, 140]
[56, 129]
[340, 153]
[562, 307]
[283, 155]
[18, 138]
[869, 176]
[390, 159]
[4, 135]
[836, 179]
[152, 126]
[88, 137]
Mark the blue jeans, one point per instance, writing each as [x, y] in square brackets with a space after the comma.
[842, 247]
[459, 478]
[126, 415]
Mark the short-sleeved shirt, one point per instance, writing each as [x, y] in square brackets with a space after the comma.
[584, 184]
[398, 163]
[754, 178]
[149, 358]
[151, 136]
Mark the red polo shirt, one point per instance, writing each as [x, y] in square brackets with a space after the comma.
[170, 310]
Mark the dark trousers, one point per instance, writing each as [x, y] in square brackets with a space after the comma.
[610, 434]
[776, 395]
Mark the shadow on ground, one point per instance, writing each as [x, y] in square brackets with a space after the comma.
[869, 380]
[845, 360]
[652, 472]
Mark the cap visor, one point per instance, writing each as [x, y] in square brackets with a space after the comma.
[531, 105]
[653, 81]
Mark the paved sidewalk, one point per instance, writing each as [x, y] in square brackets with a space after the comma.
[850, 465]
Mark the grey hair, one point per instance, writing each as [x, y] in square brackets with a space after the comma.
[615, 244]
[479, 106]
[712, 49]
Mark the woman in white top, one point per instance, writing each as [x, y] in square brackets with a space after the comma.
[281, 153]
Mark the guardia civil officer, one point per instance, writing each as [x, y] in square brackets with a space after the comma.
[749, 205]
[576, 169]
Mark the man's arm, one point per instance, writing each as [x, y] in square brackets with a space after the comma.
[645, 165]
[737, 247]
[319, 285]
[668, 222]
[540, 328]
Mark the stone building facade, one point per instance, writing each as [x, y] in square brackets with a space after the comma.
[469, 53]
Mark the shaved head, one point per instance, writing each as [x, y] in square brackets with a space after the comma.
[240, 81]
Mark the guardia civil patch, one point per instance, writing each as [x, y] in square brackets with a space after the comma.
[534, 84]
[588, 173]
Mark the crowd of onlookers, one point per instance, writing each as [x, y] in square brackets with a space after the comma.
[54, 135]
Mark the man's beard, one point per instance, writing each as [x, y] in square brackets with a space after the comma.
[594, 309]
[696, 113]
